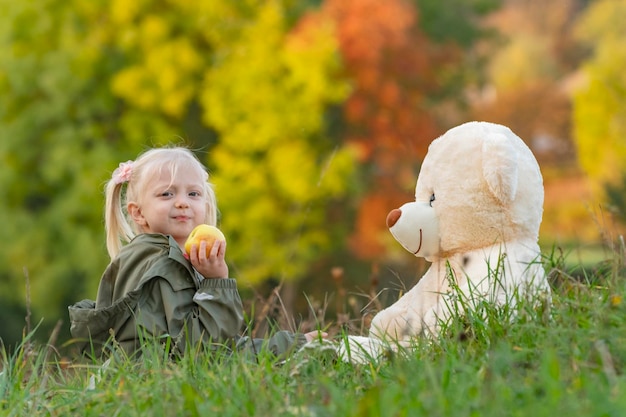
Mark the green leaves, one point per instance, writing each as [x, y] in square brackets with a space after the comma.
[56, 147]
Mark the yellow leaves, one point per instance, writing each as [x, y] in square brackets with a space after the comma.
[244, 91]
[311, 55]
[153, 29]
[268, 86]
[129, 84]
[240, 170]
[265, 93]
[164, 71]
[523, 61]
[603, 20]
[123, 11]
[600, 104]
[293, 170]
[336, 171]
[164, 81]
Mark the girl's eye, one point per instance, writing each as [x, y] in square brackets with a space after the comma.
[432, 198]
[166, 194]
[194, 194]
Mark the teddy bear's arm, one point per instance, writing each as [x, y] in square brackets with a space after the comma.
[397, 322]
[405, 318]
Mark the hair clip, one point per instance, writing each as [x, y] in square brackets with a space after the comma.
[123, 172]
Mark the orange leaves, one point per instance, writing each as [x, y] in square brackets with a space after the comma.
[386, 57]
[365, 28]
[371, 234]
[392, 67]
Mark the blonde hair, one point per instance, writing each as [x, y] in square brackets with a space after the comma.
[120, 228]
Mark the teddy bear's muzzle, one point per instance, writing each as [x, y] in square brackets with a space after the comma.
[416, 228]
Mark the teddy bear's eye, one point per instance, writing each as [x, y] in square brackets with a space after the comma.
[432, 198]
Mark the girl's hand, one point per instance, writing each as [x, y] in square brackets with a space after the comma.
[213, 265]
[315, 335]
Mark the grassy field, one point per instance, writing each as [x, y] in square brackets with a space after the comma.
[566, 360]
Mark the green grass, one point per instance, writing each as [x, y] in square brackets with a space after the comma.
[566, 360]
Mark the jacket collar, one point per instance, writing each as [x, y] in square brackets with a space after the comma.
[175, 252]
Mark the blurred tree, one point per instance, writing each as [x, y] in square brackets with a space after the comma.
[84, 85]
[277, 172]
[281, 106]
[457, 21]
[616, 197]
[402, 80]
[13, 315]
[540, 114]
[57, 120]
[529, 74]
[532, 72]
[600, 103]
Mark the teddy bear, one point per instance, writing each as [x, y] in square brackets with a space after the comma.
[476, 217]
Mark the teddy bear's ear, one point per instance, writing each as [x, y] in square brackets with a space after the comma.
[500, 166]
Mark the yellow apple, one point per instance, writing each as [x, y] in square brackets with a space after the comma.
[203, 232]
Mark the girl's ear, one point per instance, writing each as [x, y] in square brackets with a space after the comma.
[135, 213]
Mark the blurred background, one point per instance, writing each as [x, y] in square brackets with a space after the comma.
[313, 118]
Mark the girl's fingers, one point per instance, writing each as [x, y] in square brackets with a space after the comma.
[202, 255]
[193, 253]
[218, 249]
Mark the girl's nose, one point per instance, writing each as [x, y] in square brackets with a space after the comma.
[181, 202]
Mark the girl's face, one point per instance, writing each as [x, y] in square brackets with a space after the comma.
[171, 206]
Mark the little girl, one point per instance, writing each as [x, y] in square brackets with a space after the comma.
[151, 289]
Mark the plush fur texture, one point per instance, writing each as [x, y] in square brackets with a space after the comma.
[476, 217]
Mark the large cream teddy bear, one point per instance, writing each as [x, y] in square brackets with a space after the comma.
[476, 216]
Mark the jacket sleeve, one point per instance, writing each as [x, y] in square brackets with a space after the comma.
[280, 344]
[211, 313]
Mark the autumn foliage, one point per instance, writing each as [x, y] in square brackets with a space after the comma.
[393, 68]
[312, 116]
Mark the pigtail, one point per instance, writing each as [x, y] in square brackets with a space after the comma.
[116, 223]
[211, 209]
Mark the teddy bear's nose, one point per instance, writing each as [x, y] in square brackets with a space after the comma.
[393, 217]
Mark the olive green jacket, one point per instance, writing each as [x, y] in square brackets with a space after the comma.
[150, 290]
